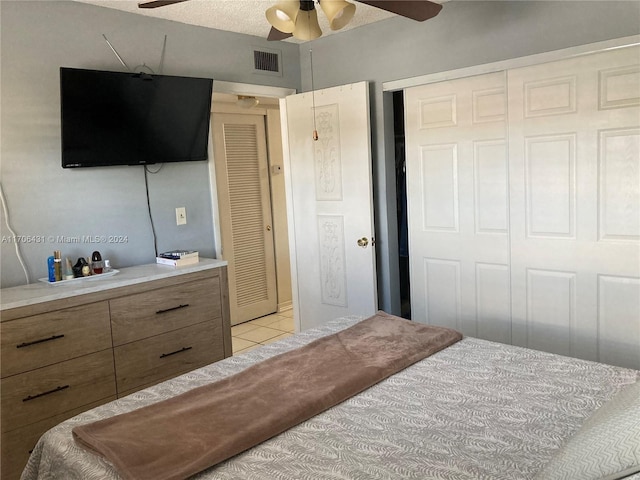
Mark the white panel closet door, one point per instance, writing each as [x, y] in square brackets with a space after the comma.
[332, 203]
[457, 192]
[575, 206]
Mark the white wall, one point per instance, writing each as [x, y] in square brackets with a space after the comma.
[38, 37]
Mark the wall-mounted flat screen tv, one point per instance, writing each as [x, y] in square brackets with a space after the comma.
[115, 118]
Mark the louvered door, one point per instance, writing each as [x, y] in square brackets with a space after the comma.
[242, 179]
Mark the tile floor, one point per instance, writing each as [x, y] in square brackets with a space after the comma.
[249, 335]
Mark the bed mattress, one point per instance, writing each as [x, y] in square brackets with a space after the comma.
[476, 410]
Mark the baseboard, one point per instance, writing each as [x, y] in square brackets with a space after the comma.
[283, 307]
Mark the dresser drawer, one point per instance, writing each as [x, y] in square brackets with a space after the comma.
[158, 311]
[161, 357]
[48, 391]
[39, 340]
[18, 444]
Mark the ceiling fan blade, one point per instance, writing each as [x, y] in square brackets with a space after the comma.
[276, 34]
[158, 3]
[419, 10]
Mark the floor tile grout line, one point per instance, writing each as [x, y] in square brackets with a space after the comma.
[255, 344]
[263, 322]
[270, 328]
[280, 333]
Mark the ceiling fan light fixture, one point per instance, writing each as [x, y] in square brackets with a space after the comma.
[283, 15]
[307, 27]
[338, 12]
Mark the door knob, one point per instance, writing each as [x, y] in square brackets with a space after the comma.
[268, 228]
[363, 242]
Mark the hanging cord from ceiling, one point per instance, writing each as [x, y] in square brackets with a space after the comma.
[5, 210]
[313, 98]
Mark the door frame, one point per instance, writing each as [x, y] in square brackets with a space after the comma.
[280, 93]
[511, 63]
[265, 242]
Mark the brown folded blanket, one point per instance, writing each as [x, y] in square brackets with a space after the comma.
[184, 435]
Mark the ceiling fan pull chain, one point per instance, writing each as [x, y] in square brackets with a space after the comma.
[313, 98]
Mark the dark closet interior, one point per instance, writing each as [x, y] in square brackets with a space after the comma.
[401, 202]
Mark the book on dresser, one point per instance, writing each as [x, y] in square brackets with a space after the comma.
[178, 258]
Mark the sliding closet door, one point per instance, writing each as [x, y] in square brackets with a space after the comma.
[575, 206]
[524, 222]
[457, 194]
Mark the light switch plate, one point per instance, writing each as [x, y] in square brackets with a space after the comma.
[181, 216]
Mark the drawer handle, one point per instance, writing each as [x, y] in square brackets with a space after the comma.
[33, 397]
[172, 308]
[42, 340]
[183, 349]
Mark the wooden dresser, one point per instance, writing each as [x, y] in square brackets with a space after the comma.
[68, 348]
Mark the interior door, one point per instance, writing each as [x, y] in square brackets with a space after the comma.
[457, 194]
[242, 179]
[575, 206]
[332, 203]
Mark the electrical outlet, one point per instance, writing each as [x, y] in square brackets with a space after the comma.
[181, 216]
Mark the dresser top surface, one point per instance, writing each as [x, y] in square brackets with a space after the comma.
[39, 292]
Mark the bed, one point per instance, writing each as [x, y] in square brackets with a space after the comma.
[474, 410]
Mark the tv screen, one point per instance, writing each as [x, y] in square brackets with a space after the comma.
[115, 118]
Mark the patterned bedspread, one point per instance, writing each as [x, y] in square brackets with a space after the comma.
[476, 410]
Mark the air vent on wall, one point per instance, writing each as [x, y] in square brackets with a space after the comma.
[266, 62]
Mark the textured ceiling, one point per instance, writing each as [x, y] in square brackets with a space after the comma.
[241, 16]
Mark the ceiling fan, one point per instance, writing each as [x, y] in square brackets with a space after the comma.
[299, 18]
